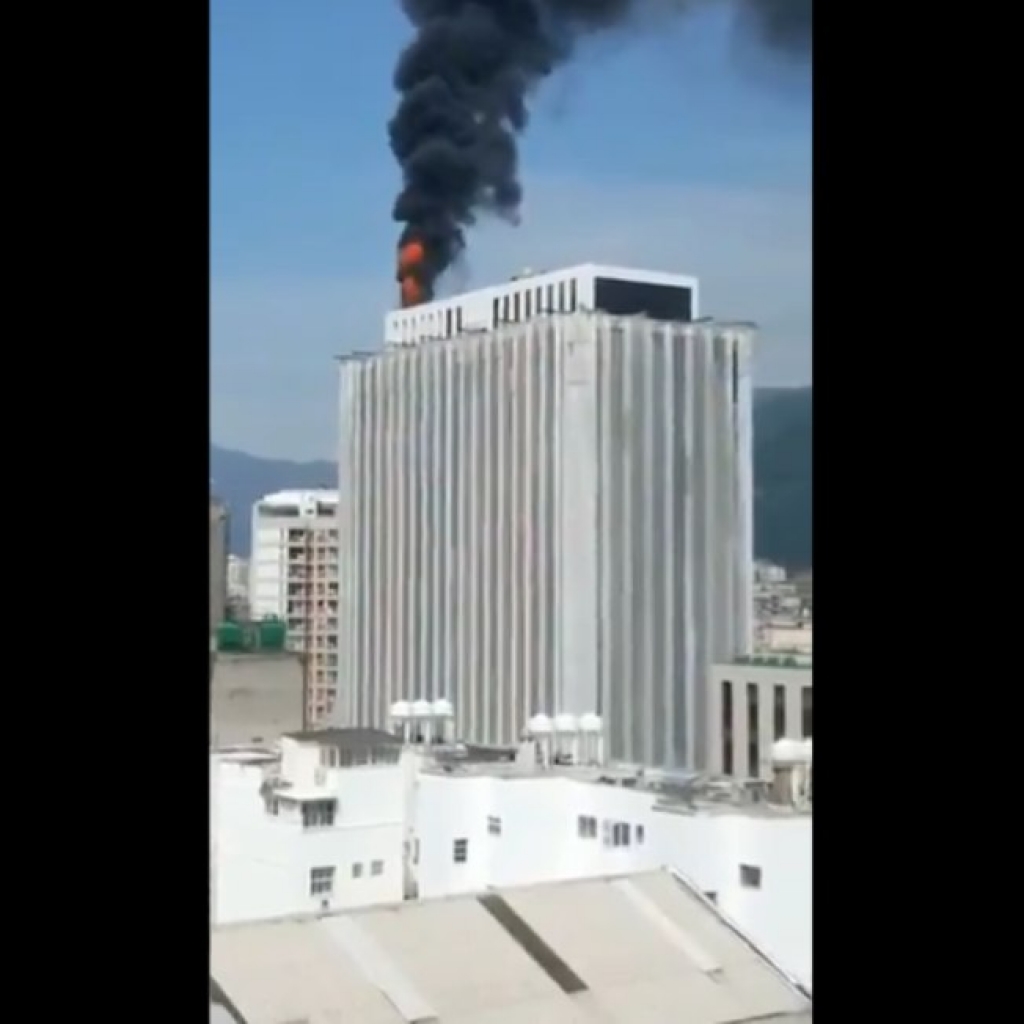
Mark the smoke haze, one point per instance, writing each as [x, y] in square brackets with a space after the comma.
[463, 84]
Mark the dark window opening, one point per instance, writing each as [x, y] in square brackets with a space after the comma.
[753, 732]
[805, 712]
[727, 761]
[750, 876]
[572, 295]
[458, 320]
[496, 312]
[629, 298]
[561, 296]
[319, 813]
[515, 307]
[460, 851]
[550, 305]
[527, 305]
[779, 712]
[447, 323]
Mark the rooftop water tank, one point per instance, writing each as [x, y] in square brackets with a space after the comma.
[443, 708]
[230, 637]
[272, 635]
[787, 752]
[539, 725]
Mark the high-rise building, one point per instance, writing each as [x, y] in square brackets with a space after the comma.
[218, 562]
[293, 575]
[550, 516]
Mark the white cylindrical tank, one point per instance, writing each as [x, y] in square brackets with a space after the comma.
[787, 752]
[540, 725]
[567, 735]
[591, 738]
[444, 716]
[422, 714]
[401, 712]
[541, 729]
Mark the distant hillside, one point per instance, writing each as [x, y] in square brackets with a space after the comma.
[782, 476]
[782, 479]
[241, 480]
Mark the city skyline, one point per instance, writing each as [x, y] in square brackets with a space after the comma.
[302, 182]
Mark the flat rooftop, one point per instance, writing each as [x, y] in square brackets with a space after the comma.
[347, 739]
[639, 949]
[680, 792]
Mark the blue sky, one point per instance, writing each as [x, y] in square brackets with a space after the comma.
[666, 148]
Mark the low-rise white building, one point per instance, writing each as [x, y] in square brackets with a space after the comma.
[353, 818]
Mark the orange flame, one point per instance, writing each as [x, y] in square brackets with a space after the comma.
[411, 255]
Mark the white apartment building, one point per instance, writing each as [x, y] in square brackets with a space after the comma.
[753, 702]
[238, 577]
[293, 576]
[349, 818]
[551, 516]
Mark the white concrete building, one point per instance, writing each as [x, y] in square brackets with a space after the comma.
[320, 826]
[293, 576]
[619, 291]
[553, 516]
[445, 821]
[752, 703]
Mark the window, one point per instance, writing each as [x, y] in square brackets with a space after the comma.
[561, 296]
[515, 307]
[458, 320]
[505, 309]
[805, 712]
[460, 851]
[447, 323]
[357, 870]
[572, 295]
[496, 312]
[377, 867]
[779, 712]
[753, 732]
[586, 827]
[549, 306]
[527, 304]
[321, 881]
[727, 764]
[639, 834]
[750, 876]
[616, 833]
[494, 826]
[319, 813]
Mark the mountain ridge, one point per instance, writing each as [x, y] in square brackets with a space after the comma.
[782, 479]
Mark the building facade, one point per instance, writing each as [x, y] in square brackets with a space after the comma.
[752, 703]
[293, 576]
[553, 516]
[218, 562]
[343, 819]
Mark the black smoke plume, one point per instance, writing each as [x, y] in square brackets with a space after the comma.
[463, 84]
